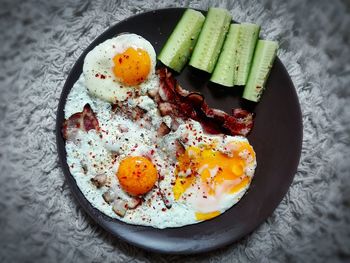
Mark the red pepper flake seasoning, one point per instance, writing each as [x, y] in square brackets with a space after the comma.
[204, 196]
[134, 148]
[101, 76]
[163, 209]
[152, 152]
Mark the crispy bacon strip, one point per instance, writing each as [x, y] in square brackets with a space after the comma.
[85, 120]
[175, 101]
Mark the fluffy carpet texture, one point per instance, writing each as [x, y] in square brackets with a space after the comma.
[40, 221]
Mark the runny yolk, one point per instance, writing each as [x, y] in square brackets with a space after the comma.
[212, 168]
[206, 216]
[132, 66]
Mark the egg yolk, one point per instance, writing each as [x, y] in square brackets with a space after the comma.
[137, 175]
[212, 168]
[132, 66]
[206, 216]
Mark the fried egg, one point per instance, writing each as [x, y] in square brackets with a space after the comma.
[213, 172]
[120, 68]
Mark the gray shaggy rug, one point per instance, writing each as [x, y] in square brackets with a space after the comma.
[40, 220]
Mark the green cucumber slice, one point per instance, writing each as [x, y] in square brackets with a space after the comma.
[211, 39]
[224, 73]
[248, 35]
[178, 48]
[265, 54]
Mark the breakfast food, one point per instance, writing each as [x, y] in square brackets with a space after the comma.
[146, 151]
[264, 57]
[177, 51]
[224, 72]
[211, 39]
[232, 53]
[247, 36]
[125, 61]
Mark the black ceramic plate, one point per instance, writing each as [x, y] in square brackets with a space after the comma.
[276, 138]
